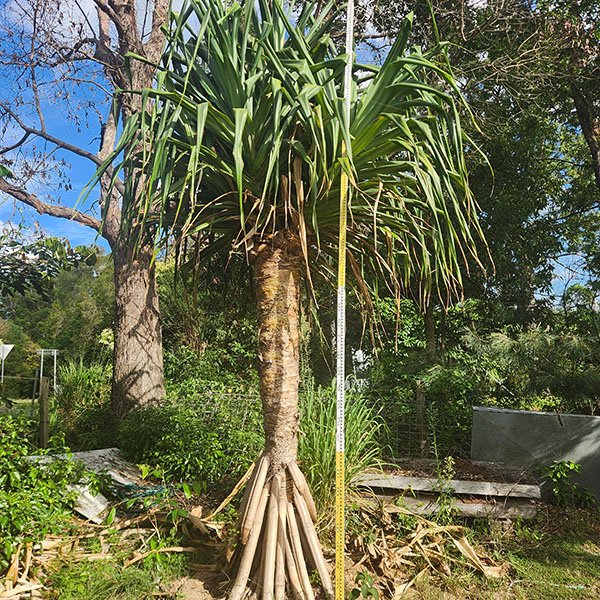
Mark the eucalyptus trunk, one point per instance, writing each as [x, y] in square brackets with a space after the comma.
[137, 359]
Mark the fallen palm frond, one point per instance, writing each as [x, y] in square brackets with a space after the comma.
[398, 546]
[126, 542]
[399, 550]
[401, 554]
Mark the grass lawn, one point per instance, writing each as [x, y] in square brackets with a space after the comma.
[556, 557]
[567, 555]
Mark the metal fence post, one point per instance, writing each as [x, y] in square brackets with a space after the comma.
[44, 411]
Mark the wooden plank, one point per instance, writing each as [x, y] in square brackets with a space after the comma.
[506, 472]
[477, 509]
[487, 510]
[460, 487]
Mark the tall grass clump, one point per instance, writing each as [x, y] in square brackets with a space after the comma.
[365, 431]
[82, 386]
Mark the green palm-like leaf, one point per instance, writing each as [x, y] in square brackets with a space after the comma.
[243, 142]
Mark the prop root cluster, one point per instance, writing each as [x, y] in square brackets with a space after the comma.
[278, 537]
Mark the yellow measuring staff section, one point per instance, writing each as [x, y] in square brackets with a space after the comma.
[339, 526]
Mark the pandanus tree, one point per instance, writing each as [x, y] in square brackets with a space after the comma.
[244, 143]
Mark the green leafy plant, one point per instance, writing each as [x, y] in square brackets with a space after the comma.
[565, 491]
[207, 439]
[445, 474]
[81, 407]
[366, 589]
[35, 499]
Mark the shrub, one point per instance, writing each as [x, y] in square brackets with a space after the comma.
[206, 439]
[190, 373]
[81, 408]
[82, 386]
[34, 498]
[565, 491]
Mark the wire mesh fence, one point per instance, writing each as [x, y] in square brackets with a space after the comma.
[414, 427]
[419, 427]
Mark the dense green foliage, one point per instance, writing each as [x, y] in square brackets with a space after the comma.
[206, 439]
[209, 327]
[553, 368]
[31, 265]
[81, 408]
[72, 316]
[34, 499]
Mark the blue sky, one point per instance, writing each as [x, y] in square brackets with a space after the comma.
[79, 170]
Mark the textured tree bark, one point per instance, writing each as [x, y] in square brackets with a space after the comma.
[138, 359]
[276, 532]
[277, 281]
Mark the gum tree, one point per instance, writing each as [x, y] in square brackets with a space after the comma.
[243, 154]
[60, 62]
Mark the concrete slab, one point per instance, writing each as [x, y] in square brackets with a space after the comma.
[108, 461]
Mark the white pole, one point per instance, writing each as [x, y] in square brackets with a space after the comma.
[41, 368]
[3, 369]
[54, 352]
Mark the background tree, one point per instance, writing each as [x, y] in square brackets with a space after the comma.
[31, 265]
[70, 316]
[63, 59]
[522, 67]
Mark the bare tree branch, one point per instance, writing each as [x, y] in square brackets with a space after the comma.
[43, 208]
[62, 144]
[16, 144]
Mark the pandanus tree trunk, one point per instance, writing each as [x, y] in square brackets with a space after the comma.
[278, 541]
